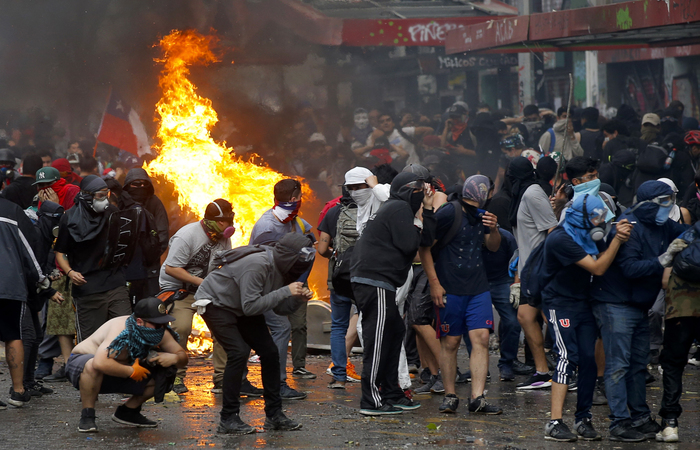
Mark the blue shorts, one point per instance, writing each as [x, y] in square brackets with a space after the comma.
[463, 313]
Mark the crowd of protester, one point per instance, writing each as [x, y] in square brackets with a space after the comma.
[580, 231]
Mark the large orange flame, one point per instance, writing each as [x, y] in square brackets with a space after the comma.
[200, 168]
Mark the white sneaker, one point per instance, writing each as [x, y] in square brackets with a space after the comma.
[669, 432]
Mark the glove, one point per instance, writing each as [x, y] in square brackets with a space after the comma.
[515, 295]
[140, 372]
[677, 246]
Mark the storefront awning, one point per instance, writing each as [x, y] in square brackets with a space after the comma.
[634, 24]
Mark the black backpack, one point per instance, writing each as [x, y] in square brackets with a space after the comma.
[687, 263]
[652, 160]
[533, 279]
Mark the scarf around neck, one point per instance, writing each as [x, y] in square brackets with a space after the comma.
[139, 340]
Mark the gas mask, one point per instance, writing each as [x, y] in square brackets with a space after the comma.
[361, 121]
[100, 206]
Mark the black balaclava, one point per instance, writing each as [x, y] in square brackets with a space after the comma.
[399, 190]
[83, 222]
[521, 175]
[140, 194]
[286, 256]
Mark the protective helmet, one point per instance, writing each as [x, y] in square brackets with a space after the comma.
[514, 141]
[422, 172]
[692, 137]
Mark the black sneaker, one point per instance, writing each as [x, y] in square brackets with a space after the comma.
[58, 376]
[624, 432]
[406, 404]
[3, 405]
[552, 359]
[467, 376]
[87, 421]
[506, 373]
[438, 387]
[234, 425]
[288, 393]
[536, 381]
[301, 372]
[649, 429]
[385, 409]
[585, 430]
[522, 369]
[37, 389]
[426, 388]
[573, 383]
[556, 430]
[179, 386]
[218, 388]
[649, 377]
[132, 417]
[44, 368]
[18, 400]
[425, 375]
[480, 406]
[249, 390]
[280, 422]
[449, 404]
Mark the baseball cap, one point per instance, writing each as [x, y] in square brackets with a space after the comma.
[219, 209]
[457, 110]
[651, 118]
[47, 175]
[154, 310]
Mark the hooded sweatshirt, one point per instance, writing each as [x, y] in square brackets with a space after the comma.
[258, 282]
[572, 147]
[634, 277]
[389, 242]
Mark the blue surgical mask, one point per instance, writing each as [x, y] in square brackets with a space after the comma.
[662, 214]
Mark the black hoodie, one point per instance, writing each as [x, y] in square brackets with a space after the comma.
[389, 242]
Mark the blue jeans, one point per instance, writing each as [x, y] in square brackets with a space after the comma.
[341, 309]
[508, 327]
[625, 331]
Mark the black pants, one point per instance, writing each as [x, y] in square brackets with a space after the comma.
[678, 337]
[237, 335]
[140, 289]
[382, 334]
[32, 335]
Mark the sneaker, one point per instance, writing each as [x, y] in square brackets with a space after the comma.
[301, 372]
[351, 374]
[412, 368]
[556, 430]
[280, 422]
[438, 387]
[218, 388]
[288, 393]
[87, 421]
[329, 370]
[58, 376]
[44, 368]
[585, 430]
[480, 406]
[506, 373]
[37, 389]
[669, 431]
[426, 388]
[336, 384]
[599, 397]
[3, 405]
[624, 432]
[406, 404]
[234, 425]
[385, 409]
[449, 404]
[536, 381]
[249, 390]
[425, 375]
[179, 386]
[18, 400]
[649, 429]
[552, 359]
[467, 376]
[132, 417]
[573, 383]
[522, 369]
[255, 359]
[695, 359]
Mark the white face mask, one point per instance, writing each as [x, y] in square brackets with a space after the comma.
[361, 196]
[361, 121]
[100, 206]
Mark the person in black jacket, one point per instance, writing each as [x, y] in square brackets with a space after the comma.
[380, 264]
[143, 278]
[22, 190]
[21, 273]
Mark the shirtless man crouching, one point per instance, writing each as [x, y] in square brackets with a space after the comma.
[108, 362]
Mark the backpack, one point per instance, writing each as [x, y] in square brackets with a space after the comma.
[532, 278]
[234, 254]
[148, 237]
[652, 159]
[552, 140]
[687, 263]
[346, 235]
[454, 228]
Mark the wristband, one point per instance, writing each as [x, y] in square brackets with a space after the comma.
[69, 272]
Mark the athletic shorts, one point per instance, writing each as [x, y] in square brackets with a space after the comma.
[110, 384]
[420, 305]
[463, 313]
[11, 316]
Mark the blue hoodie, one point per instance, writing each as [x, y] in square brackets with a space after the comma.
[635, 276]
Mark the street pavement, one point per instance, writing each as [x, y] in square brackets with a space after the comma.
[330, 418]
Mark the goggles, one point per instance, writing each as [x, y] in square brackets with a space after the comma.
[307, 254]
[100, 195]
[665, 200]
[598, 217]
[418, 184]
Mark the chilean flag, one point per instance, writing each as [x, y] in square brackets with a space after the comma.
[122, 128]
